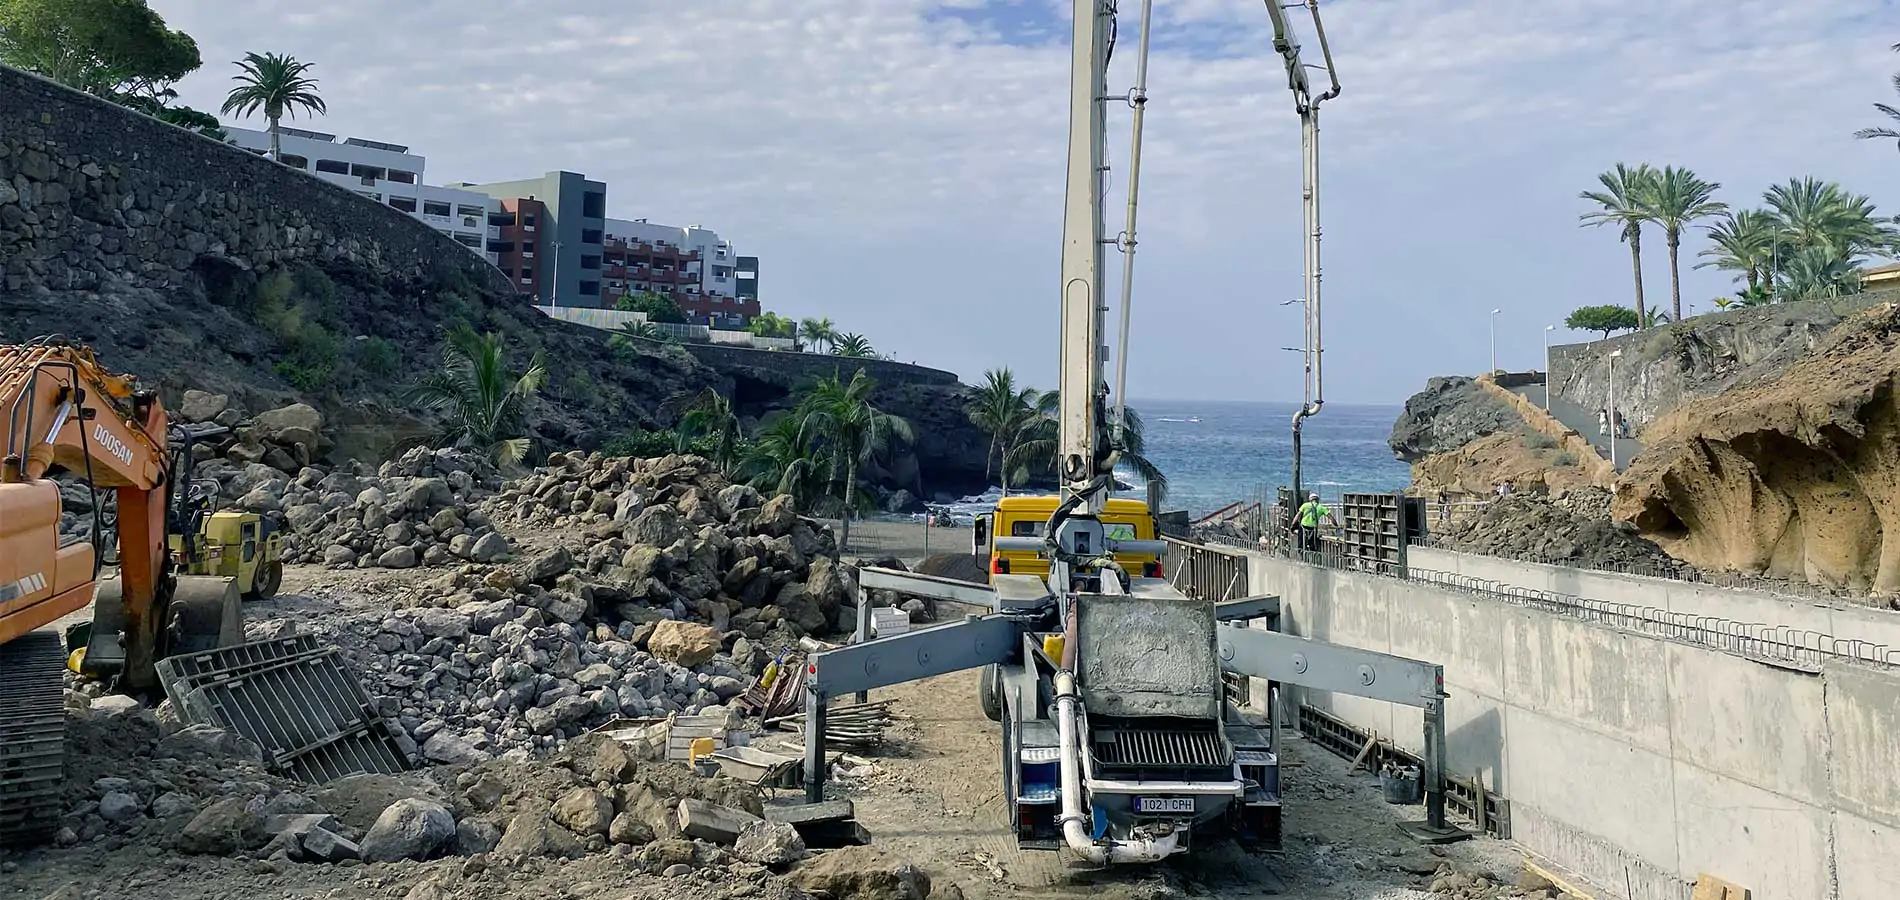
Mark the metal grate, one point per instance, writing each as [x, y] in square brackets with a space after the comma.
[294, 698]
[1162, 748]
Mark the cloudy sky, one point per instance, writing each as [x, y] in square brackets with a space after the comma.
[898, 164]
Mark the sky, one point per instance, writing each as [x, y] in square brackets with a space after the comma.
[898, 165]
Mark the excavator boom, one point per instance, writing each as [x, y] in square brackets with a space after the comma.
[61, 410]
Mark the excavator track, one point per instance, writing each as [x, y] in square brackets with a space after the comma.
[32, 737]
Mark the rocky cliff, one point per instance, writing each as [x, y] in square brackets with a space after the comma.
[194, 264]
[1450, 412]
[1662, 368]
[1794, 474]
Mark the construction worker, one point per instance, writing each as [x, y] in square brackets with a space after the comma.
[1310, 514]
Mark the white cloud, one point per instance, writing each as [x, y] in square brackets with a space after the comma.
[897, 164]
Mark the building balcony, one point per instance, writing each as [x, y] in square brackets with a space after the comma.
[434, 219]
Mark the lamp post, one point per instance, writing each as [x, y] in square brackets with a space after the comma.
[1494, 340]
[1612, 411]
[556, 290]
[1547, 374]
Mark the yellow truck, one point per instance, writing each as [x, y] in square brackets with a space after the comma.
[1025, 516]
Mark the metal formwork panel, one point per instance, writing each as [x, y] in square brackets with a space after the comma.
[294, 698]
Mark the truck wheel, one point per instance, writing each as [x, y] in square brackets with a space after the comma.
[264, 584]
[989, 692]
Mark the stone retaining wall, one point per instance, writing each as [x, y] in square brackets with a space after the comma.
[92, 192]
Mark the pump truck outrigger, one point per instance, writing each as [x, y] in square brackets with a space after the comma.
[60, 408]
[1120, 743]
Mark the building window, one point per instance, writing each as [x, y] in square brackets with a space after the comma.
[501, 218]
[527, 220]
[590, 235]
[501, 246]
[332, 166]
[469, 240]
[590, 288]
[590, 262]
[406, 204]
[401, 177]
[433, 208]
[528, 248]
[527, 277]
[465, 209]
[296, 162]
[593, 205]
[367, 173]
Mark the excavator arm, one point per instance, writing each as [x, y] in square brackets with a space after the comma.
[59, 407]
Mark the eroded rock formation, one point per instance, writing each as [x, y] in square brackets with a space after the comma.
[1796, 475]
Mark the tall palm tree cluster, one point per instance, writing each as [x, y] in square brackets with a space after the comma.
[1024, 436]
[1808, 241]
[818, 453]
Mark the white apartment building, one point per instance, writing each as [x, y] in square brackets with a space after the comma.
[717, 259]
[386, 173]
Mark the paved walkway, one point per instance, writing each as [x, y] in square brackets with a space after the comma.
[1585, 423]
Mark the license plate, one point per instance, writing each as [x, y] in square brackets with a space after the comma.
[1164, 804]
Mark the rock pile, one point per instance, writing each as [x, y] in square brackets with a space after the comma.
[420, 509]
[286, 439]
[203, 792]
[1576, 530]
[685, 581]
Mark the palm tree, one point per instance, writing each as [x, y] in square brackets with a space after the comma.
[1624, 190]
[277, 85]
[1820, 272]
[1823, 214]
[1674, 198]
[709, 413]
[850, 433]
[853, 345]
[1723, 303]
[1040, 443]
[818, 331]
[1744, 242]
[1885, 132]
[1002, 409]
[781, 460]
[483, 402]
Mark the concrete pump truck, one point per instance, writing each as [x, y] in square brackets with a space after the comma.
[1120, 742]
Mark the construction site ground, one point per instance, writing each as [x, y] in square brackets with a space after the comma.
[931, 796]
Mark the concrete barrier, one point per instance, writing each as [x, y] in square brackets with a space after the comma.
[1844, 621]
[1637, 761]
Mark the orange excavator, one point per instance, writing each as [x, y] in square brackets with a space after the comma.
[61, 411]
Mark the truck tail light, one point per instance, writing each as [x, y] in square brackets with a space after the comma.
[999, 566]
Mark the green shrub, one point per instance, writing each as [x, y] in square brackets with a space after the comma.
[645, 444]
[298, 308]
[1537, 440]
[1565, 458]
[376, 358]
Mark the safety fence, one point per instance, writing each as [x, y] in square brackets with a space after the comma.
[1205, 572]
[1685, 574]
[1778, 644]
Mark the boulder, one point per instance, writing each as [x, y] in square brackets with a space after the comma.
[769, 844]
[532, 834]
[299, 423]
[450, 750]
[411, 828]
[861, 873]
[712, 822]
[403, 557]
[202, 406]
[683, 643]
[204, 743]
[584, 811]
[488, 548]
[547, 565]
[228, 826]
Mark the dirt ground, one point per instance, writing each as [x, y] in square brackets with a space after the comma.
[933, 798]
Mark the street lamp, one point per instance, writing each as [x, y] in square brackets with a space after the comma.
[1494, 341]
[557, 276]
[1547, 330]
[1612, 411]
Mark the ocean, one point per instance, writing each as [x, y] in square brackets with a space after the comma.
[1215, 453]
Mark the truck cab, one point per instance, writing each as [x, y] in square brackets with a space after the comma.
[1027, 515]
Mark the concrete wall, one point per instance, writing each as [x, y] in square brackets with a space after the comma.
[1803, 619]
[1635, 761]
